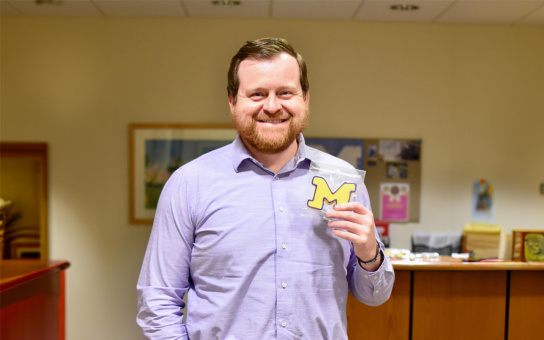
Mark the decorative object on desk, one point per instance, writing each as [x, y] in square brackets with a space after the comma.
[482, 239]
[397, 254]
[157, 150]
[482, 202]
[394, 202]
[527, 245]
[534, 247]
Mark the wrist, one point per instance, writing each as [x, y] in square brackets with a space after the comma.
[361, 262]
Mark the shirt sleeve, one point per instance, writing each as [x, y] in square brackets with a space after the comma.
[164, 276]
[371, 288]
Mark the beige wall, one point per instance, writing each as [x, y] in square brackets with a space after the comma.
[472, 93]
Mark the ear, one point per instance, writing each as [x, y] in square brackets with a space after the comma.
[231, 103]
[307, 98]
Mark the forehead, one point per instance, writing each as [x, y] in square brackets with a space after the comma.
[283, 67]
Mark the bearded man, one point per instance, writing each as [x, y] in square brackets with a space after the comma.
[229, 232]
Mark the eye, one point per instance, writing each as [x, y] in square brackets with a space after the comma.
[257, 95]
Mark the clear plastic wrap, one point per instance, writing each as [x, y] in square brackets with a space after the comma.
[329, 185]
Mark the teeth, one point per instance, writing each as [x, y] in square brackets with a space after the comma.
[273, 121]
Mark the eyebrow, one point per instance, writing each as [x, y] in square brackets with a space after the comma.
[261, 89]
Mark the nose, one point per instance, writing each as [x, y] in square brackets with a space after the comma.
[272, 104]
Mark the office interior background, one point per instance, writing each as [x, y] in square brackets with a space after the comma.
[472, 92]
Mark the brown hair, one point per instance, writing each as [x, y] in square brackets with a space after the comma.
[265, 48]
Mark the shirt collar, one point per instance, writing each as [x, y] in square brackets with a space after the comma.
[240, 154]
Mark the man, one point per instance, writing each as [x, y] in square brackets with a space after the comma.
[230, 229]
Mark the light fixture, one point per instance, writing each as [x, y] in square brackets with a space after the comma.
[49, 2]
[404, 7]
[226, 2]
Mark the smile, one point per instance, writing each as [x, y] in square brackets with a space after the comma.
[273, 121]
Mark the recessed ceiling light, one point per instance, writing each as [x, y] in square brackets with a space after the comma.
[49, 2]
[226, 2]
[404, 7]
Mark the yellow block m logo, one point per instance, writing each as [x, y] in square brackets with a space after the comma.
[323, 193]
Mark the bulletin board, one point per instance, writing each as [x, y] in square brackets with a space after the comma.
[391, 165]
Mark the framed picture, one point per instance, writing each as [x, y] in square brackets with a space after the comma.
[157, 150]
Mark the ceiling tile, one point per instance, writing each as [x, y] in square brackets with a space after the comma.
[65, 8]
[320, 9]
[534, 18]
[247, 9]
[488, 11]
[135, 8]
[378, 10]
[7, 9]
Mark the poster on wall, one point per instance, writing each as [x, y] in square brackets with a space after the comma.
[482, 202]
[395, 202]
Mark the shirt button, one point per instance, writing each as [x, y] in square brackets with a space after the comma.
[283, 246]
[276, 178]
[284, 284]
[283, 323]
[281, 209]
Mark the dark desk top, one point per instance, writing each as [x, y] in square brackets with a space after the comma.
[17, 272]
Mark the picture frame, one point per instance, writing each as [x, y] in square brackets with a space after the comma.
[157, 150]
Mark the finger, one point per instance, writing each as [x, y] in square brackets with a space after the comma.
[346, 235]
[352, 216]
[352, 206]
[345, 225]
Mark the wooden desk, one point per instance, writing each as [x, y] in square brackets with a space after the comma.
[32, 300]
[436, 300]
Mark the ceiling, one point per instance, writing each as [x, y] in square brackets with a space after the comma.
[502, 12]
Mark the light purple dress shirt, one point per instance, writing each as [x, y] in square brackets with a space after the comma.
[231, 234]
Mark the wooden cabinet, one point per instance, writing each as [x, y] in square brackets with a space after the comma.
[526, 305]
[455, 301]
[32, 300]
[392, 316]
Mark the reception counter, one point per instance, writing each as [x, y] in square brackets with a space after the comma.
[32, 300]
[456, 300]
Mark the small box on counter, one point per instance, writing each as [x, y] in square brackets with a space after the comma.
[528, 245]
[482, 240]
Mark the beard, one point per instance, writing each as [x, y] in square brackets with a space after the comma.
[265, 139]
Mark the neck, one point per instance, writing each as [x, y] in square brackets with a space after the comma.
[274, 161]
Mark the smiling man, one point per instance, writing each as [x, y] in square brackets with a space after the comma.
[230, 234]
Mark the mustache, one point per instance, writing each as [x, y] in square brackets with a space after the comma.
[273, 118]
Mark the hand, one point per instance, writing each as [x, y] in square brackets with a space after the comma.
[355, 224]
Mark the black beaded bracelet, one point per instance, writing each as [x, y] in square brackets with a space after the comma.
[361, 262]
